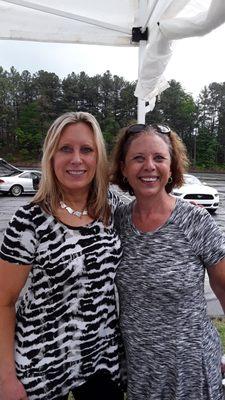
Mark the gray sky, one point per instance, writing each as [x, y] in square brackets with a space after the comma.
[195, 62]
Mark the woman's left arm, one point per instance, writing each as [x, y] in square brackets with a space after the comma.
[217, 281]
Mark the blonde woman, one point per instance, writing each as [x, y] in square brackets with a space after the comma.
[64, 334]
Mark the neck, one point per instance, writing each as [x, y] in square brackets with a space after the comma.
[76, 200]
[149, 214]
[153, 205]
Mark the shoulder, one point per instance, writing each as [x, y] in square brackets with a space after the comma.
[114, 200]
[122, 216]
[27, 211]
[27, 216]
[198, 225]
[187, 213]
[20, 237]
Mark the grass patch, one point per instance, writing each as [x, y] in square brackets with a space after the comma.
[219, 323]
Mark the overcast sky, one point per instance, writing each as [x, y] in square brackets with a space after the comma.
[196, 62]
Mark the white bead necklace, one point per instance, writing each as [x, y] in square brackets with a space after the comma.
[78, 214]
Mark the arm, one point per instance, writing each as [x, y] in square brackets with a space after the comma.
[12, 279]
[217, 281]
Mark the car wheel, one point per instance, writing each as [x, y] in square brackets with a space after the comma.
[16, 190]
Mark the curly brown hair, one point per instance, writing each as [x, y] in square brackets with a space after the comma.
[177, 150]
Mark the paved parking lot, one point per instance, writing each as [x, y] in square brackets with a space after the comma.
[8, 205]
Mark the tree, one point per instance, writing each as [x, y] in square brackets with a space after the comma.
[28, 90]
[29, 103]
[211, 118]
[177, 109]
[28, 134]
[4, 109]
[48, 88]
[207, 145]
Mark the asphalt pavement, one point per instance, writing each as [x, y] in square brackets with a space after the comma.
[8, 205]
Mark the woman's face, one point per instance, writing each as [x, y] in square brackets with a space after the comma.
[75, 160]
[147, 165]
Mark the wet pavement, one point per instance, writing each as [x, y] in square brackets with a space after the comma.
[8, 205]
[218, 182]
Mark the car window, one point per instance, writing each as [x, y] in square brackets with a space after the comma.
[30, 175]
[15, 173]
[26, 175]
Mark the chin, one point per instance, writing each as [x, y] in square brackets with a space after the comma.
[77, 186]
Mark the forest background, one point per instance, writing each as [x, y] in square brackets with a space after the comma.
[30, 102]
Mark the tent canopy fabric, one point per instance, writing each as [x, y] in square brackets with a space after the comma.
[110, 23]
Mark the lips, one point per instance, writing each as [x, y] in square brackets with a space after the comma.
[76, 172]
[149, 179]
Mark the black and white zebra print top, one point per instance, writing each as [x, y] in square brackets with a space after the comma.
[66, 322]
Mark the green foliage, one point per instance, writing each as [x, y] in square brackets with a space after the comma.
[176, 108]
[211, 124]
[111, 127]
[28, 135]
[219, 323]
[206, 149]
[29, 104]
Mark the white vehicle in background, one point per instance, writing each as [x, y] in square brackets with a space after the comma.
[195, 191]
[16, 181]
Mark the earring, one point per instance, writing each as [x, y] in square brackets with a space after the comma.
[170, 180]
[125, 180]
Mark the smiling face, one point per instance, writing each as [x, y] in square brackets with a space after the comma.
[147, 165]
[75, 160]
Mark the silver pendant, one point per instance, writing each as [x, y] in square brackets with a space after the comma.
[78, 214]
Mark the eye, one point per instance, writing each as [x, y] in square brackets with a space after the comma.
[66, 149]
[139, 158]
[159, 157]
[86, 149]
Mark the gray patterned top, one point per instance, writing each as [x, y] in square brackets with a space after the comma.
[172, 349]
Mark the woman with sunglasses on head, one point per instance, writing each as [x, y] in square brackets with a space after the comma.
[66, 330]
[173, 351]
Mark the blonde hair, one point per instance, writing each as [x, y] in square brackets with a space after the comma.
[50, 192]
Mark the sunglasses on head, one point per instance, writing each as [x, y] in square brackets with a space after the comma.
[136, 128]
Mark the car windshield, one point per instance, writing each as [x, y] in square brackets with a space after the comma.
[7, 175]
[7, 169]
[191, 180]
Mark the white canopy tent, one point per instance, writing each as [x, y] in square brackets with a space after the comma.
[150, 24]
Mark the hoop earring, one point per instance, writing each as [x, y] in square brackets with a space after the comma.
[170, 180]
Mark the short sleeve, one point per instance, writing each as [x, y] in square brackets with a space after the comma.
[114, 200]
[19, 242]
[210, 240]
[121, 216]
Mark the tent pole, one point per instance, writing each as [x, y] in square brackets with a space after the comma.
[61, 13]
[143, 7]
[141, 103]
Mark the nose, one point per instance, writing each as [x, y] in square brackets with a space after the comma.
[76, 157]
[149, 163]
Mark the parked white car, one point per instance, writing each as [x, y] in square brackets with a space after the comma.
[18, 183]
[198, 192]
